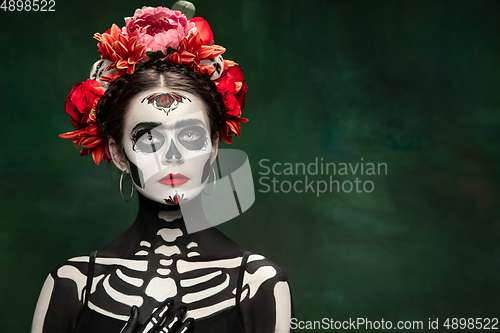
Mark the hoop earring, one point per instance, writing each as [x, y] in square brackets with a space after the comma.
[121, 189]
[215, 182]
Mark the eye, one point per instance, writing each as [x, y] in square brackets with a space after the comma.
[190, 136]
[193, 137]
[148, 141]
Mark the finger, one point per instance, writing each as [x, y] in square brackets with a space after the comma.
[132, 322]
[186, 326]
[173, 321]
[158, 316]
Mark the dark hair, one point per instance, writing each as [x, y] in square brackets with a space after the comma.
[112, 107]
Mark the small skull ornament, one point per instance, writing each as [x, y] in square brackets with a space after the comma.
[99, 69]
[217, 63]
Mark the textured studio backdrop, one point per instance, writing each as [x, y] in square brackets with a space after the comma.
[414, 85]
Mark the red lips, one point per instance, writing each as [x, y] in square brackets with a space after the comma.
[174, 179]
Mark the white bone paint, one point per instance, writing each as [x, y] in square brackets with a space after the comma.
[170, 216]
[167, 251]
[94, 307]
[128, 279]
[244, 294]
[184, 266]
[192, 244]
[166, 262]
[42, 305]
[72, 273]
[208, 310]
[255, 280]
[169, 235]
[129, 300]
[194, 297]
[283, 303]
[163, 271]
[201, 279]
[136, 265]
[161, 288]
[255, 257]
[95, 281]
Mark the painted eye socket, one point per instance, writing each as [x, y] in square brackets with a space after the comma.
[190, 137]
[193, 137]
[148, 141]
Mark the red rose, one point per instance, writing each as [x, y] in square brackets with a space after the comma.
[233, 88]
[232, 105]
[80, 101]
[204, 28]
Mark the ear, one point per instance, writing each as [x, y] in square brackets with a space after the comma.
[215, 149]
[118, 156]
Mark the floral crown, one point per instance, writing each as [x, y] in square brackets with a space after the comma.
[153, 34]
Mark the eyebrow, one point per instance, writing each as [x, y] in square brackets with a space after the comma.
[145, 125]
[178, 124]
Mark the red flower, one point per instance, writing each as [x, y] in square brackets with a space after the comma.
[233, 88]
[175, 200]
[80, 105]
[80, 101]
[192, 51]
[204, 28]
[122, 50]
[232, 126]
[91, 141]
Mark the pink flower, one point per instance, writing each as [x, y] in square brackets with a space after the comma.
[159, 28]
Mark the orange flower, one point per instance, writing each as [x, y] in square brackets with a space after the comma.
[231, 126]
[192, 51]
[122, 50]
[91, 141]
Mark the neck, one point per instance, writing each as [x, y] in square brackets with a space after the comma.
[157, 222]
[164, 226]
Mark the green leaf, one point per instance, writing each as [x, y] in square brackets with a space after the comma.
[155, 55]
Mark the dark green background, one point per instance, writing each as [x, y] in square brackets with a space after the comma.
[414, 84]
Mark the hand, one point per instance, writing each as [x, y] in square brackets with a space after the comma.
[163, 320]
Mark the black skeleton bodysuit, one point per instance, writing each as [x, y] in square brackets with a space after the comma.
[157, 259]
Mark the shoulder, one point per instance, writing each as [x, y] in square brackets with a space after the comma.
[71, 275]
[262, 275]
[266, 301]
[261, 267]
[61, 297]
[73, 267]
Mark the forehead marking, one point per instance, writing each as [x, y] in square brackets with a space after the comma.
[165, 102]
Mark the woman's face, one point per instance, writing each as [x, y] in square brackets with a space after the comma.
[166, 141]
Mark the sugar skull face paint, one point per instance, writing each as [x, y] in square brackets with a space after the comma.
[167, 144]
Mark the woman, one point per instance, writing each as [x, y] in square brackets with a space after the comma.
[157, 105]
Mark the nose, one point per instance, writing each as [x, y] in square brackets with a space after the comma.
[173, 152]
